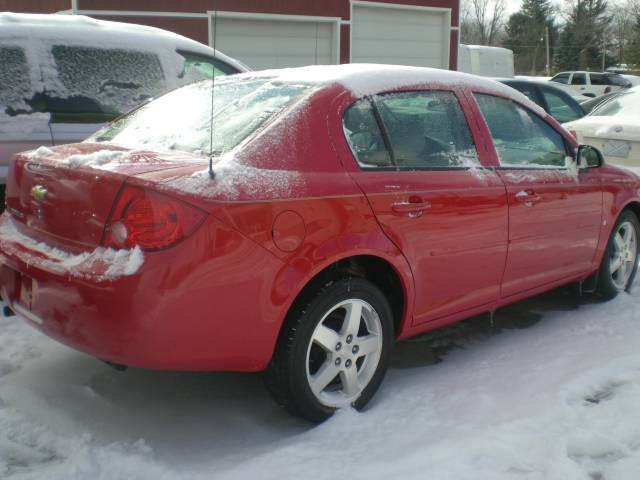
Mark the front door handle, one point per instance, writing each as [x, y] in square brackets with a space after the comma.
[528, 197]
[411, 209]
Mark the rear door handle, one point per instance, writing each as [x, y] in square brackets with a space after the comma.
[528, 197]
[411, 209]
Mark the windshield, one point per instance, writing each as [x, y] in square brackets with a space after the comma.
[181, 119]
[624, 104]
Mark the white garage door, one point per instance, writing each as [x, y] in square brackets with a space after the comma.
[274, 41]
[400, 35]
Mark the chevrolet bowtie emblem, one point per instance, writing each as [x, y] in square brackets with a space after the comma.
[38, 193]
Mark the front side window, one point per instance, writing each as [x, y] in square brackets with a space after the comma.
[427, 129]
[15, 83]
[521, 139]
[559, 108]
[181, 120]
[579, 79]
[110, 81]
[561, 78]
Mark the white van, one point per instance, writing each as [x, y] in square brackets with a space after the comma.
[485, 61]
[63, 76]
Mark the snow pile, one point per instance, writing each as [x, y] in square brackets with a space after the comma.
[96, 159]
[39, 152]
[101, 264]
[550, 393]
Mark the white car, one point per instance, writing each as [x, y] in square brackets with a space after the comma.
[613, 128]
[62, 76]
[592, 84]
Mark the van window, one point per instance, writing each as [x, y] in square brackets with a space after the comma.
[579, 79]
[15, 83]
[113, 80]
[200, 67]
[561, 78]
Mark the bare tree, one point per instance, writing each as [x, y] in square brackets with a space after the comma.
[482, 21]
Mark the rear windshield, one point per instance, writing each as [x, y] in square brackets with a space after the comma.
[624, 104]
[15, 82]
[181, 119]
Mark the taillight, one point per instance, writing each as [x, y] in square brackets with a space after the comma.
[150, 220]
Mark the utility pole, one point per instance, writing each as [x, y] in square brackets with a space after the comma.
[546, 37]
[604, 54]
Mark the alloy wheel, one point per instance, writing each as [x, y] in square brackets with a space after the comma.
[623, 257]
[344, 352]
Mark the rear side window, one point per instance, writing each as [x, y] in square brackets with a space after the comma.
[559, 108]
[15, 83]
[579, 79]
[427, 130]
[364, 136]
[598, 79]
[521, 139]
[561, 78]
[111, 80]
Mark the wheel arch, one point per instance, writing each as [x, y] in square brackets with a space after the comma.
[382, 272]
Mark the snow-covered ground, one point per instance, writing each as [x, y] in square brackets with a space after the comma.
[552, 391]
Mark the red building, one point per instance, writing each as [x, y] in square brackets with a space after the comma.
[280, 33]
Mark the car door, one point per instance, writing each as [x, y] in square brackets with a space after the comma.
[423, 177]
[579, 83]
[555, 210]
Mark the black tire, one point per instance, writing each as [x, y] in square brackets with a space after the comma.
[286, 377]
[607, 286]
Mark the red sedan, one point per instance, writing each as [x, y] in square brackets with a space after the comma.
[345, 208]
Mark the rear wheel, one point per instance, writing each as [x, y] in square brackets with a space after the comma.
[333, 351]
[620, 260]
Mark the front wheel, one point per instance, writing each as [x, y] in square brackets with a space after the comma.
[620, 260]
[333, 351]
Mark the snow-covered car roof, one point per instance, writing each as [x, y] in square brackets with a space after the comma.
[87, 31]
[364, 79]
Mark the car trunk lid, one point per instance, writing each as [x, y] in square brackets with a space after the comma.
[64, 195]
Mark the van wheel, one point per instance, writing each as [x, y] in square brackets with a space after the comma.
[620, 260]
[333, 351]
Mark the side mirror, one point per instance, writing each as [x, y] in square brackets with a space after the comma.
[589, 157]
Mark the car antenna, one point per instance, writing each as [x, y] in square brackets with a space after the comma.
[212, 174]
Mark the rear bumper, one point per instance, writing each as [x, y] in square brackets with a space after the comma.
[202, 305]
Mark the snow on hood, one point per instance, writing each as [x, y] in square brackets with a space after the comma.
[616, 127]
[367, 79]
[101, 264]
